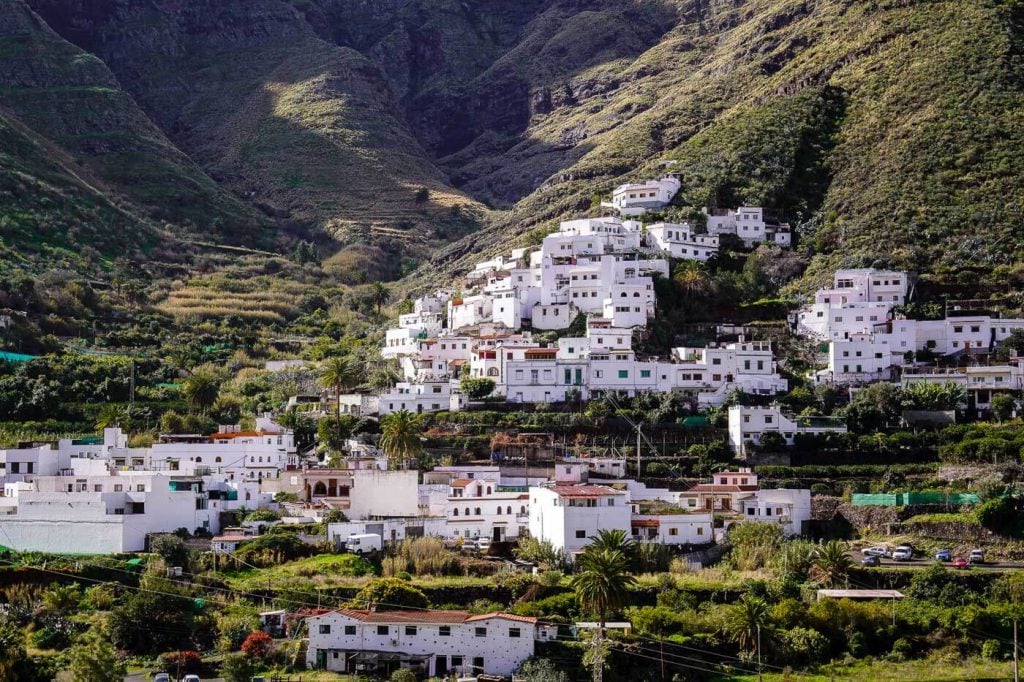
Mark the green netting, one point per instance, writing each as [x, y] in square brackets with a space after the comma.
[906, 499]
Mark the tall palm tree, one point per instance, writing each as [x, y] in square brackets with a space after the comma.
[400, 436]
[745, 619]
[602, 582]
[201, 390]
[380, 295]
[831, 564]
[339, 373]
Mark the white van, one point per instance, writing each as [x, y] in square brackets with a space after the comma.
[364, 543]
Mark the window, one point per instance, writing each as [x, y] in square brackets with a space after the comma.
[382, 629]
[514, 632]
[118, 487]
[410, 629]
[581, 534]
[325, 629]
[446, 631]
[673, 531]
[623, 373]
[645, 374]
[456, 661]
[481, 632]
[350, 629]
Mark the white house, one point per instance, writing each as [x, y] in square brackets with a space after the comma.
[102, 514]
[790, 508]
[429, 642]
[680, 241]
[479, 507]
[569, 516]
[747, 425]
[748, 224]
[636, 198]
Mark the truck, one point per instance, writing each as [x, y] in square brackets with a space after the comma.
[363, 543]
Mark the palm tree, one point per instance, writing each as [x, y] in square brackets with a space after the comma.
[612, 540]
[831, 564]
[380, 295]
[693, 279]
[400, 436]
[111, 416]
[339, 373]
[746, 619]
[201, 390]
[602, 582]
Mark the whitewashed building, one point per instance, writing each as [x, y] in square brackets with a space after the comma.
[682, 242]
[429, 642]
[104, 514]
[569, 516]
[639, 197]
[747, 425]
[748, 224]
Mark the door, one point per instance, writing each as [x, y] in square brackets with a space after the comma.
[321, 659]
[440, 666]
[496, 534]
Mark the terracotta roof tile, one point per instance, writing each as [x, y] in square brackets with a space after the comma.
[427, 616]
[585, 491]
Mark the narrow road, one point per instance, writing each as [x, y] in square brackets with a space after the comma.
[925, 562]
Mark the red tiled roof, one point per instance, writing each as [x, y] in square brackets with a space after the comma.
[462, 482]
[427, 616]
[645, 523]
[585, 491]
[505, 616]
[230, 538]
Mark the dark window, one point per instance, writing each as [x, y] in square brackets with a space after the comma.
[350, 629]
[325, 629]
[382, 629]
[456, 661]
[514, 632]
[410, 629]
[481, 632]
[446, 631]
[581, 534]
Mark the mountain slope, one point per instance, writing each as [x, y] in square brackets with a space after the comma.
[81, 132]
[888, 129]
[311, 131]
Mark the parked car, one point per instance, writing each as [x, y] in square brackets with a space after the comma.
[977, 556]
[879, 551]
[871, 560]
[960, 562]
[903, 553]
[483, 545]
[191, 678]
[161, 677]
[944, 555]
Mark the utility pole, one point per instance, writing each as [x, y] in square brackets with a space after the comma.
[638, 451]
[759, 678]
[1016, 659]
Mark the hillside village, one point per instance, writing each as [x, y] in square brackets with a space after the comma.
[578, 445]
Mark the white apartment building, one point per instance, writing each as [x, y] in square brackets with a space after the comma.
[425, 396]
[636, 198]
[680, 241]
[982, 382]
[747, 425]
[858, 301]
[748, 224]
[481, 508]
[103, 514]
[431, 643]
[568, 516]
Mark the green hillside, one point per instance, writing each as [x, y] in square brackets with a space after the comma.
[435, 132]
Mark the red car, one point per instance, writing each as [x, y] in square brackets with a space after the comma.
[960, 562]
